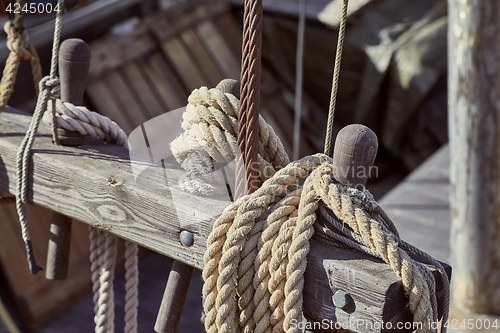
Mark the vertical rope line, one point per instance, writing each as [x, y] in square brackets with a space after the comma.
[299, 77]
[335, 84]
[131, 287]
[49, 89]
[248, 126]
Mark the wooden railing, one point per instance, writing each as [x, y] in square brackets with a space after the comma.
[94, 184]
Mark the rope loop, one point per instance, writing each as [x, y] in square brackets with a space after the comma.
[18, 41]
[50, 85]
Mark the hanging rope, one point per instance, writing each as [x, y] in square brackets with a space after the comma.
[335, 84]
[248, 127]
[18, 42]
[299, 78]
[48, 90]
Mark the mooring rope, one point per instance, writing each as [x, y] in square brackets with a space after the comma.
[80, 119]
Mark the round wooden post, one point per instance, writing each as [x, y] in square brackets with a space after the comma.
[355, 151]
[474, 125]
[74, 62]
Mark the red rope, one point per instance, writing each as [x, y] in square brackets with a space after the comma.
[248, 128]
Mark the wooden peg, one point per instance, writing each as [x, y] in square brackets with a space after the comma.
[177, 287]
[74, 61]
[355, 151]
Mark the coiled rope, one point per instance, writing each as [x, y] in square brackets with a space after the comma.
[210, 125]
[256, 253]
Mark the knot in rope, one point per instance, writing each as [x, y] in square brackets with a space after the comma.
[210, 125]
[18, 41]
[256, 253]
[50, 85]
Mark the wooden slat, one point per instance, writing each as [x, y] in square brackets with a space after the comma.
[221, 53]
[184, 64]
[107, 103]
[201, 56]
[170, 88]
[150, 210]
[143, 91]
[325, 11]
[114, 51]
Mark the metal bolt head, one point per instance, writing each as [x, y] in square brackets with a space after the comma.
[341, 299]
[186, 238]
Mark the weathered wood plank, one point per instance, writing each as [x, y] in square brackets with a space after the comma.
[326, 11]
[474, 110]
[95, 184]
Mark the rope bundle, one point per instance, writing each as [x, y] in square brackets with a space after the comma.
[256, 253]
[210, 125]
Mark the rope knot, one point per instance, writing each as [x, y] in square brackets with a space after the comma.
[52, 86]
[18, 41]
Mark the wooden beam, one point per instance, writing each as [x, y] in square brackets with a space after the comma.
[325, 11]
[74, 21]
[474, 123]
[95, 185]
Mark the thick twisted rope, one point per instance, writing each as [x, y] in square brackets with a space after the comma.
[248, 130]
[279, 255]
[86, 122]
[131, 287]
[18, 42]
[210, 125]
[104, 317]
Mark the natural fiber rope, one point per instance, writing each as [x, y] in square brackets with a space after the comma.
[86, 122]
[248, 127]
[131, 287]
[104, 317]
[256, 252]
[49, 90]
[335, 84]
[281, 216]
[210, 125]
[18, 42]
